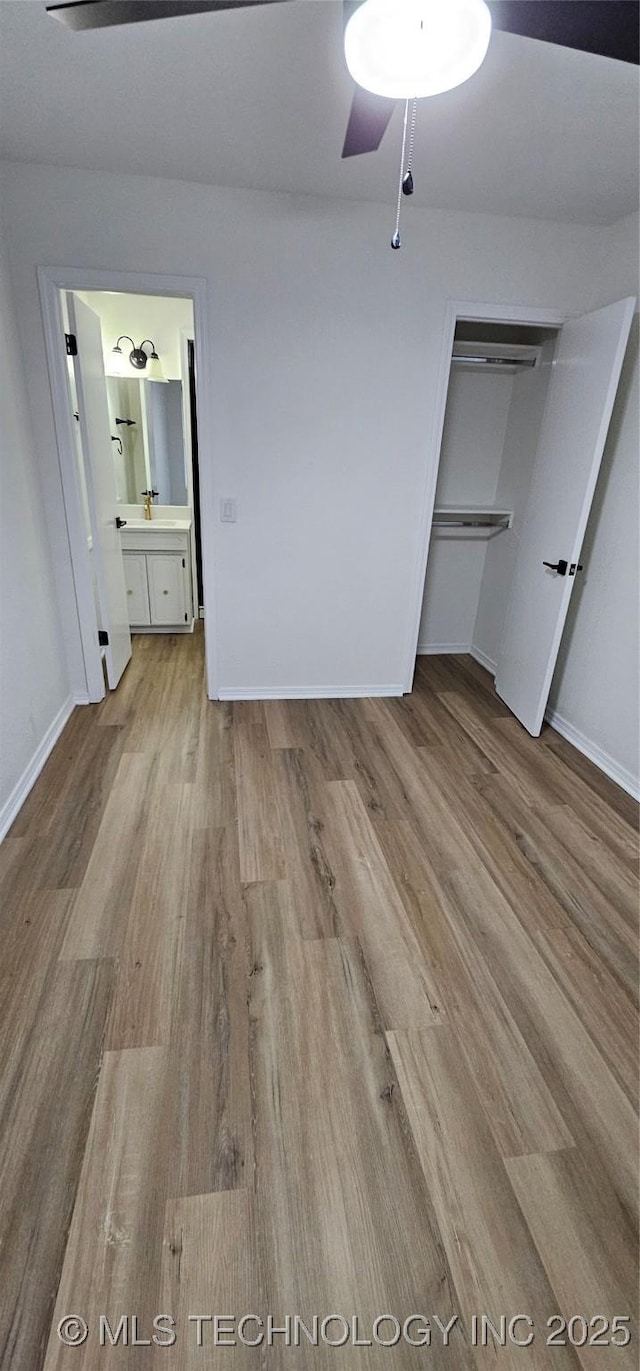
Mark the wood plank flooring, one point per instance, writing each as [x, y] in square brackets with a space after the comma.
[317, 1008]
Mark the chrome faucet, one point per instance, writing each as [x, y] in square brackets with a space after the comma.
[149, 495]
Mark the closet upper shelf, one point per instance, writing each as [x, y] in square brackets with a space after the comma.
[502, 357]
[476, 517]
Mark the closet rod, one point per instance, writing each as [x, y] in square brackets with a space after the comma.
[439, 522]
[493, 361]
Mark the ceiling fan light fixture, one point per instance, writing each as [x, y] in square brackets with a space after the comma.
[411, 48]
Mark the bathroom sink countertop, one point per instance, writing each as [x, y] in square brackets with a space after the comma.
[148, 525]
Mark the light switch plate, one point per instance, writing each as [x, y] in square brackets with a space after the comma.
[227, 511]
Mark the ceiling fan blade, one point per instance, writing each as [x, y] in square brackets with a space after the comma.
[609, 28]
[97, 14]
[369, 114]
[368, 120]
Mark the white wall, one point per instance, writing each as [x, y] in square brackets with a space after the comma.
[470, 462]
[141, 316]
[596, 685]
[34, 691]
[325, 348]
[473, 438]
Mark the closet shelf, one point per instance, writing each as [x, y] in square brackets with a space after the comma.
[476, 517]
[508, 357]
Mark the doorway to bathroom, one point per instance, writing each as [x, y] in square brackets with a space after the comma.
[125, 371]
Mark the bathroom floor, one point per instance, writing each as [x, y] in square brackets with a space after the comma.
[316, 1008]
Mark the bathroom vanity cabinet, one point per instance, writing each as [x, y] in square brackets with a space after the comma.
[158, 578]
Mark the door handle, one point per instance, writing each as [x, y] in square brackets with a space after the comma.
[559, 566]
[120, 523]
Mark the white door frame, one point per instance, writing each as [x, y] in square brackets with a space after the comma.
[52, 280]
[186, 336]
[484, 313]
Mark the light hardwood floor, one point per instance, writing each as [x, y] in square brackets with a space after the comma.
[316, 1007]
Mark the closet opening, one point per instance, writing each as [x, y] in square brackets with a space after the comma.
[495, 401]
[526, 416]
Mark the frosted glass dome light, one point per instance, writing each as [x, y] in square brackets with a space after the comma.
[407, 48]
[117, 365]
[153, 370]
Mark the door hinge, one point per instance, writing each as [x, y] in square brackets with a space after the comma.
[72, 344]
[183, 562]
[103, 637]
[186, 618]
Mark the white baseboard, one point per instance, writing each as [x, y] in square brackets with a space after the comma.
[601, 759]
[596, 754]
[438, 649]
[481, 657]
[13, 805]
[306, 692]
[162, 628]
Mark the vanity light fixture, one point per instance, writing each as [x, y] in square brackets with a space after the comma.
[139, 359]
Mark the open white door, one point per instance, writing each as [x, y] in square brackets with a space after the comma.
[585, 376]
[100, 478]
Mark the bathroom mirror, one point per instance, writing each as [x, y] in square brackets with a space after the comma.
[147, 423]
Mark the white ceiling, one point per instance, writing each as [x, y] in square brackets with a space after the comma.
[259, 98]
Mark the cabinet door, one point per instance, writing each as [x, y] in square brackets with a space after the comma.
[167, 588]
[135, 577]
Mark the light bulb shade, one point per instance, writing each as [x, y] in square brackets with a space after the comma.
[118, 365]
[407, 48]
[153, 371]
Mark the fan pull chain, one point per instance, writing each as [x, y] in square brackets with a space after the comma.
[405, 183]
[395, 241]
[407, 180]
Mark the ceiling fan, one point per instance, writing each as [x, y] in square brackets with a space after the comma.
[609, 28]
